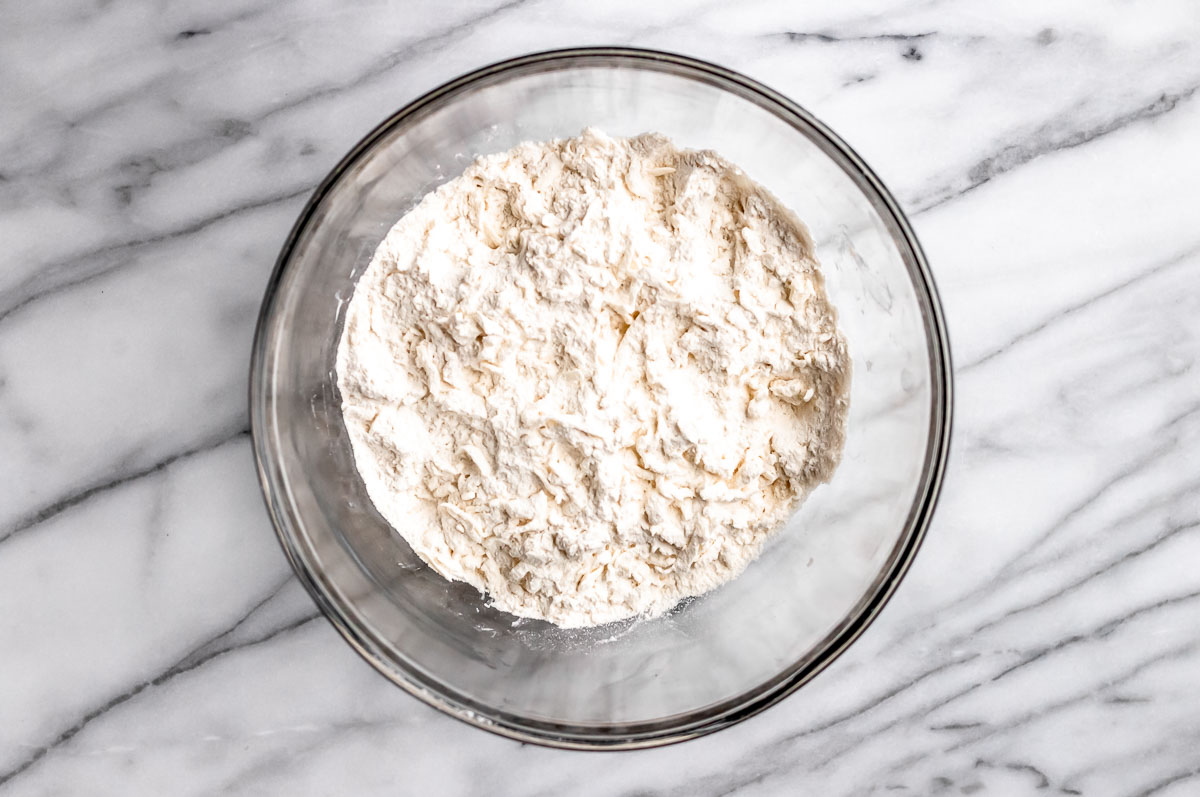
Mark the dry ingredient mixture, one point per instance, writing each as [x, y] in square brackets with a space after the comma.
[591, 376]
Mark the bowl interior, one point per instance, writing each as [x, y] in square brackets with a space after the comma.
[714, 656]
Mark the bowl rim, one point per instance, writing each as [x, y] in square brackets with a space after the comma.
[703, 721]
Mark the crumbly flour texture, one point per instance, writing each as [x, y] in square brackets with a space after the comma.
[590, 377]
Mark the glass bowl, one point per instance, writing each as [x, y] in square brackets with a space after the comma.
[713, 660]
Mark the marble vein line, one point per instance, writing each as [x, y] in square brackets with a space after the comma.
[200, 655]
[64, 274]
[1045, 141]
[834, 38]
[955, 726]
[59, 505]
[1183, 257]
[1181, 416]
[1169, 781]
[223, 23]
[1112, 625]
[1041, 781]
[745, 783]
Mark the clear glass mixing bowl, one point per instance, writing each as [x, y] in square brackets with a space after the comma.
[713, 660]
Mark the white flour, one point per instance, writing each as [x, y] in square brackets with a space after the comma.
[590, 377]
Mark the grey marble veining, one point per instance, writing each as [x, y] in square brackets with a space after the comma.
[152, 159]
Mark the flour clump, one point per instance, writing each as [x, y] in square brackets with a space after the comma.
[590, 377]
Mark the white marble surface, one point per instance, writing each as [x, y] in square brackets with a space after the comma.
[152, 159]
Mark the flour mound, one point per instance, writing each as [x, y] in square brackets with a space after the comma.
[590, 377]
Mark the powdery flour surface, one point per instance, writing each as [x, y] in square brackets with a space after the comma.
[590, 377]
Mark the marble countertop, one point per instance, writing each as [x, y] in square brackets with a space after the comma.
[152, 159]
